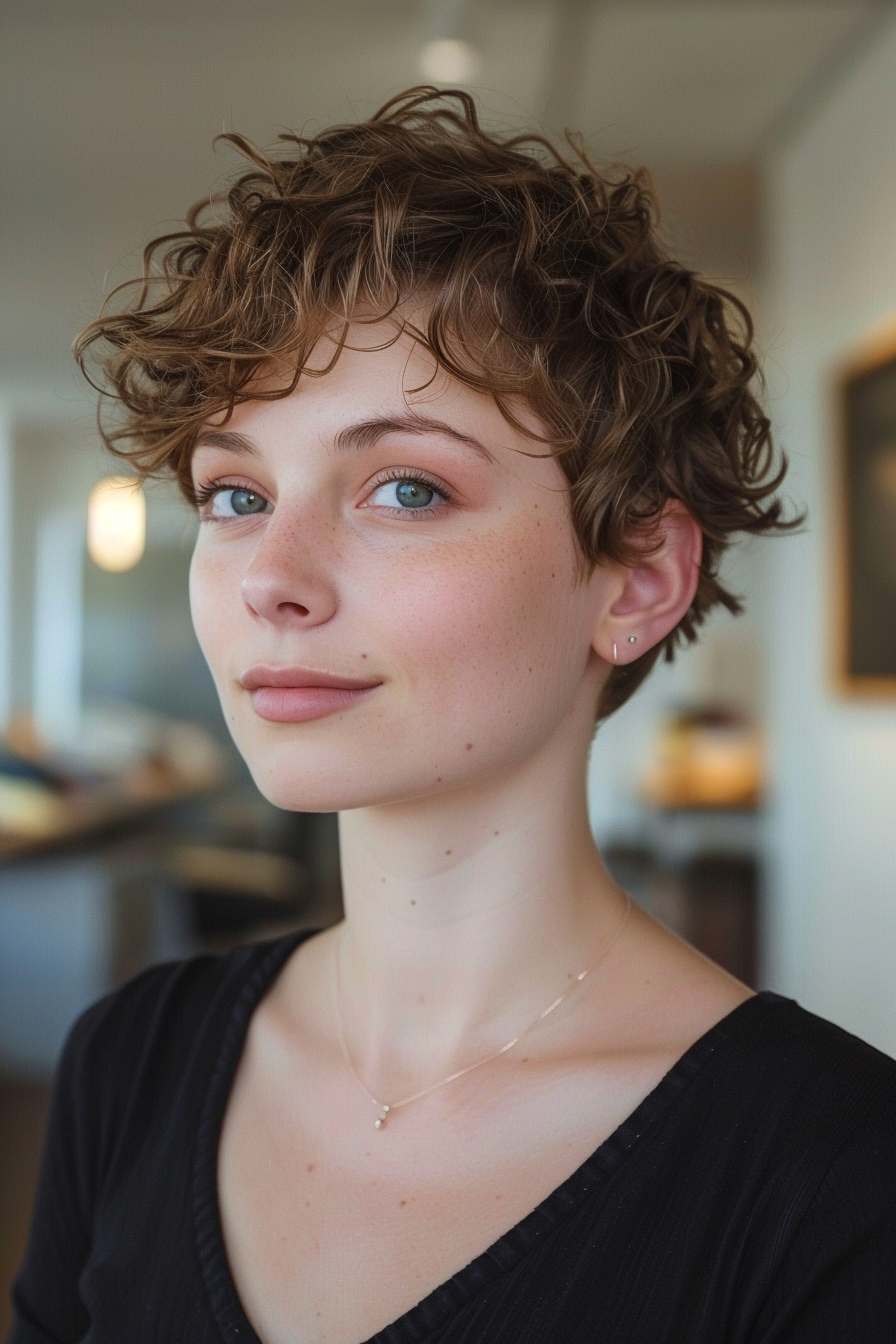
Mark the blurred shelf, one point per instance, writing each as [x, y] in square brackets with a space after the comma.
[94, 813]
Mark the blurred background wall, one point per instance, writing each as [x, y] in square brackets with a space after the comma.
[746, 795]
[831, 231]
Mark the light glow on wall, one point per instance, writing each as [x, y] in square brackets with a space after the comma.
[116, 523]
[448, 60]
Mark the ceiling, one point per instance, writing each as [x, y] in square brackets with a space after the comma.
[108, 111]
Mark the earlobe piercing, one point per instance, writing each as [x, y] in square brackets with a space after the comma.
[633, 639]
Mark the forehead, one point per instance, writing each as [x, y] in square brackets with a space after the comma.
[379, 380]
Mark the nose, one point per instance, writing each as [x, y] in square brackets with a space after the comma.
[289, 580]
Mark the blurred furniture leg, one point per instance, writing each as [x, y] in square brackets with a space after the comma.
[238, 894]
[148, 917]
[721, 897]
[23, 1112]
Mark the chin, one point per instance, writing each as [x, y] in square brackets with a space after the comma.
[313, 791]
[331, 772]
[340, 776]
[329, 790]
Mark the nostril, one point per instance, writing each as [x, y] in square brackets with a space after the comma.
[270, 591]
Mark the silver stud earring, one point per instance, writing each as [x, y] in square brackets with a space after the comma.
[615, 659]
[633, 639]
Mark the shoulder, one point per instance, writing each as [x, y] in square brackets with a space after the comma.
[162, 1020]
[820, 1117]
[796, 1061]
[801, 1111]
[785, 1133]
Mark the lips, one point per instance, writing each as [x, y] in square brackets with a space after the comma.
[295, 677]
[296, 694]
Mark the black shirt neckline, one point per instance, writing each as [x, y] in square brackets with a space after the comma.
[444, 1301]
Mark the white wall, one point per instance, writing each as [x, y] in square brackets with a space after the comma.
[832, 920]
[6, 582]
[53, 464]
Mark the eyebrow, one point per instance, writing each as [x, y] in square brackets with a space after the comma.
[226, 438]
[357, 437]
[368, 432]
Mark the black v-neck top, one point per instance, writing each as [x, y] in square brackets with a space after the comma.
[749, 1199]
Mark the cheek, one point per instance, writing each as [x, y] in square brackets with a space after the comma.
[497, 634]
[214, 585]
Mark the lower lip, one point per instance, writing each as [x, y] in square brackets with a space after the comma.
[296, 704]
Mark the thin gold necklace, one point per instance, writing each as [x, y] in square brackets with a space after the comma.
[384, 1110]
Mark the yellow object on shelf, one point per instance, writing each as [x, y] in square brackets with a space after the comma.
[28, 809]
[706, 760]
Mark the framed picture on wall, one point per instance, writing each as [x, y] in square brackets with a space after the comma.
[866, 654]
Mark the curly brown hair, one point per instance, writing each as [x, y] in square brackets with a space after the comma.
[545, 282]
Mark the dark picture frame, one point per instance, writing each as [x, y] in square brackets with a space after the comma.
[866, 483]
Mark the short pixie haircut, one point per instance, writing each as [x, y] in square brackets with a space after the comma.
[543, 282]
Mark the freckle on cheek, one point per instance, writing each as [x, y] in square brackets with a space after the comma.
[469, 746]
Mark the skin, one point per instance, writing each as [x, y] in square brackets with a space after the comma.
[473, 891]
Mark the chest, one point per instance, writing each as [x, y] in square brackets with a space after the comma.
[334, 1230]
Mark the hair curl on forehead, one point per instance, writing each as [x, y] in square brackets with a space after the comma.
[543, 282]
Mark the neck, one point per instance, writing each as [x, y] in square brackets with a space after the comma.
[467, 914]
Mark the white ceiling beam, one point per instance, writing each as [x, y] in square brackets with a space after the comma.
[567, 63]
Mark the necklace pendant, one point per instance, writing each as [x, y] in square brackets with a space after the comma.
[380, 1121]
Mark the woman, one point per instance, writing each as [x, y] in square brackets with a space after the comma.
[466, 447]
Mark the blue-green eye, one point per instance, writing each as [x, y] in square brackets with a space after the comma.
[414, 494]
[246, 501]
[236, 502]
[408, 493]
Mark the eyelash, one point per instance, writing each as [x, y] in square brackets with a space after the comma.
[202, 494]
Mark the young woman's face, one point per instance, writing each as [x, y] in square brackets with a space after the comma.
[396, 542]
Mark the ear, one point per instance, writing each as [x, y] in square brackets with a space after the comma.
[643, 602]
